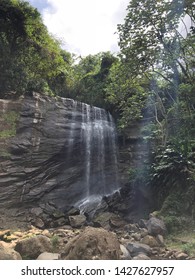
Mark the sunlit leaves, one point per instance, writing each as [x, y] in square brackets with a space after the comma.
[150, 36]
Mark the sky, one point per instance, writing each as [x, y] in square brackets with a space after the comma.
[83, 26]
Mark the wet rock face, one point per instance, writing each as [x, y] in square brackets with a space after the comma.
[54, 157]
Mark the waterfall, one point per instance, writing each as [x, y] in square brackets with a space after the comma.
[98, 152]
[99, 134]
[87, 137]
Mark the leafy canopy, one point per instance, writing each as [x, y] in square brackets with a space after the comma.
[30, 58]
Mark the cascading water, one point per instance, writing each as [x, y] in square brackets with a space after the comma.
[98, 152]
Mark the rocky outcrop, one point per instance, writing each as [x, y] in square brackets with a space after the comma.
[57, 153]
[125, 243]
[133, 150]
[44, 153]
[93, 244]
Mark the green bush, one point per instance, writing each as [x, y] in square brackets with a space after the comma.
[55, 241]
[173, 224]
[189, 248]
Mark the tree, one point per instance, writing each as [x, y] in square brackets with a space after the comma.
[30, 58]
[125, 96]
[150, 38]
[156, 42]
[91, 78]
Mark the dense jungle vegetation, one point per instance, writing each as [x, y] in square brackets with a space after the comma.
[151, 79]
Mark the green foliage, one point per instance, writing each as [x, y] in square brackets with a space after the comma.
[140, 175]
[153, 47]
[172, 178]
[181, 239]
[7, 133]
[132, 172]
[150, 132]
[11, 117]
[152, 80]
[55, 241]
[91, 78]
[4, 153]
[189, 248]
[174, 204]
[170, 166]
[150, 37]
[30, 58]
[173, 223]
[9, 121]
[125, 96]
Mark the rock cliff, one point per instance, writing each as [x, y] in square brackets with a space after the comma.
[49, 156]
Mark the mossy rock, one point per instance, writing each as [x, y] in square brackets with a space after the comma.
[8, 124]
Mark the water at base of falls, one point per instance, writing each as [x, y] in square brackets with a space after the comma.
[99, 151]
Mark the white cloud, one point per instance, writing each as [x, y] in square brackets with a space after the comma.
[85, 26]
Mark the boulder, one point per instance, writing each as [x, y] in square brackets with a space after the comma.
[141, 257]
[150, 241]
[142, 223]
[125, 253]
[181, 256]
[103, 219]
[137, 248]
[131, 228]
[93, 243]
[59, 222]
[32, 247]
[136, 236]
[73, 211]
[77, 221]
[117, 222]
[37, 211]
[39, 223]
[156, 226]
[101, 207]
[48, 256]
[160, 240]
[144, 232]
[168, 255]
[7, 253]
